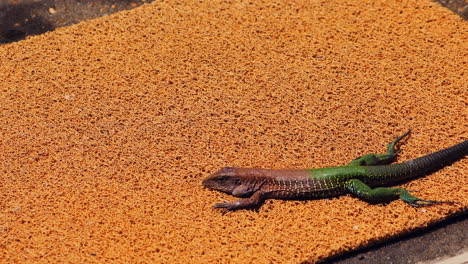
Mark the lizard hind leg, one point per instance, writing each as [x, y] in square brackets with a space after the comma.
[380, 159]
[384, 194]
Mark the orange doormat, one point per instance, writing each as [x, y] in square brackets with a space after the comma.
[108, 127]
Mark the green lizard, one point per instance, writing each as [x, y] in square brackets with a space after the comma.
[359, 177]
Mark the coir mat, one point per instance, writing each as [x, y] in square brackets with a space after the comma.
[108, 127]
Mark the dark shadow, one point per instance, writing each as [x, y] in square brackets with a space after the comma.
[23, 18]
[381, 245]
[459, 7]
[20, 20]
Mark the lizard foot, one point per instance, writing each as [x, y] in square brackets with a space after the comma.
[416, 202]
[226, 205]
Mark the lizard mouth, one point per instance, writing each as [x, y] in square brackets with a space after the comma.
[215, 186]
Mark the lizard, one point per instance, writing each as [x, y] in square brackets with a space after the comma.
[365, 177]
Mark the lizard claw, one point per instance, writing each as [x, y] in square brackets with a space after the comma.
[421, 202]
[417, 202]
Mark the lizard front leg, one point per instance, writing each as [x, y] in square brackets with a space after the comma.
[254, 201]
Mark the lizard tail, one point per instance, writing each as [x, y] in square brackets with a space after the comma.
[423, 165]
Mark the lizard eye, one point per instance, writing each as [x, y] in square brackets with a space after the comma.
[237, 182]
[222, 178]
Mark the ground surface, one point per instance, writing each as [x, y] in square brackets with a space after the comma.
[21, 18]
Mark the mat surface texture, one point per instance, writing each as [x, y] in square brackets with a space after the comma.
[108, 127]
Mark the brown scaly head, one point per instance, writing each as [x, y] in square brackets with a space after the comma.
[234, 181]
[224, 180]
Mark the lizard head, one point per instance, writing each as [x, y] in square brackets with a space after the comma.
[226, 180]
